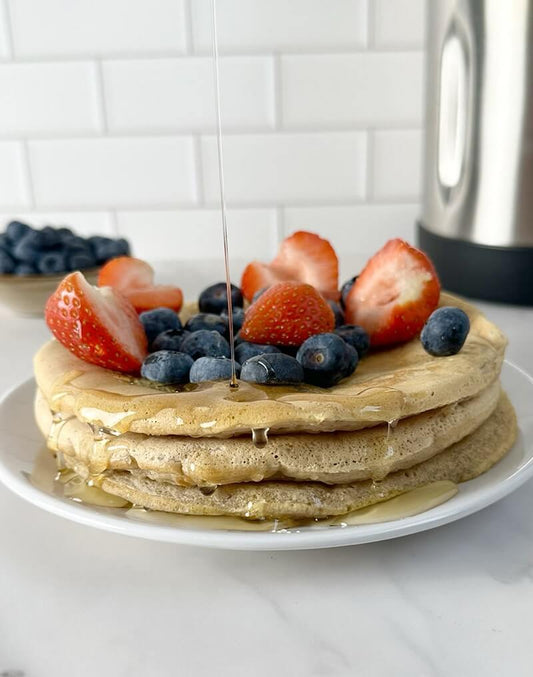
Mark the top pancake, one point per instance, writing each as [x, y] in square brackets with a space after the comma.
[388, 385]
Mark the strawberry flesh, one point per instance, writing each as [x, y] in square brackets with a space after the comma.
[302, 257]
[394, 295]
[126, 272]
[287, 314]
[160, 296]
[100, 326]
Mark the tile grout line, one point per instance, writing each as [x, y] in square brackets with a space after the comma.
[100, 95]
[277, 91]
[371, 25]
[114, 222]
[28, 174]
[189, 40]
[369, 185]
[8, 30]
[280, 223]
[198, 170]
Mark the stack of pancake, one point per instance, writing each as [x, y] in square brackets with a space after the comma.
[403, 420]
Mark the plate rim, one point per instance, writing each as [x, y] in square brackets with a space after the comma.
[267, 541]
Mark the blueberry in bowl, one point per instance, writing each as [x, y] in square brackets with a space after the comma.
[34, 260]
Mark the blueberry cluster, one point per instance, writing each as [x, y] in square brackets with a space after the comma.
[199, 350]
[48, 251]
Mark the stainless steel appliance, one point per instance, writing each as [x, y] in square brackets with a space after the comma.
[477, 218]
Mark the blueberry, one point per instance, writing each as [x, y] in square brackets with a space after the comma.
[205, 343]
[168, 340]
[212, 369]
[207, 321]
[23, 269]
[7, 265]
[52, 262]
[352, 360]
[76, 244]
[5, 244]
[356, 336]
[106, 248]
[51, 238]
[244, 351]
[272, 369]
[337, 311]
[214, 299]
[258, 293]
[81, 260]
[159, 320]
[123, 246]
[346, 289]
[167, 366]
[445, 331]
[29, 248]
[325, 359]
[16, 230]
[64, 232]
[238, 319]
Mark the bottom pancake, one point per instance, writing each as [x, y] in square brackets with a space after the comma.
[463, 461]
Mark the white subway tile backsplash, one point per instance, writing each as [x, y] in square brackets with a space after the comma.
[284, 168]
[197, 234]
[399, 23]
[55, 98]
[178, 93]
[82, 223]
[14, 188]
[113, 172]
[5, 43]
[288, 25]
[397, 165]
[355, 229]
[352, 89]
[67, 27]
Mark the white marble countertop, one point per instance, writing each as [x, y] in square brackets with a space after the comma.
[456, 601]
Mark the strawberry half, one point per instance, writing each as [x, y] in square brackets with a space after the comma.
[125, 272]
[99, 326]
[287, 314]
[302, 257]
[134, 278]
[394, 295]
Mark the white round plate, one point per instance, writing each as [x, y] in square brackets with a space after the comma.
[20, 442]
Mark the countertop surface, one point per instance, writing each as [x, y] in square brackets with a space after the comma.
[454, 601]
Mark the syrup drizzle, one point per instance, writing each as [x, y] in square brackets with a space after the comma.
[223, 209]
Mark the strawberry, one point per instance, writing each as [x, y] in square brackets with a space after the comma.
[125, 272]
[302, 257]
[99, 326]
[160, 296]
[394, 295]
[287, 314]
[134, 279]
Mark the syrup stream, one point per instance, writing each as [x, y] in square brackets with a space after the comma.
[233, 382]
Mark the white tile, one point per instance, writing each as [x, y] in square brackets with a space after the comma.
[48, 98]
[399, 23]
[5, 43]
[82, 223]
[113, 172]
[197, 234]
[73, 27]
[289, 25]
[265, 169]
[178, 93]
[397, 165]
[369, 89]
[355, 229]
[14, 190]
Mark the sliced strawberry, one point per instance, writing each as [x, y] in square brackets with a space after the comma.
[134, 278]
[394, 295]
[99, 326]
[125, 272]
[313, 260]
[287, 314]
[302, 257]
[159, 296]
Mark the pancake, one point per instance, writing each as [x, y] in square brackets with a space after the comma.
[462, 461]
[388, 385]
[332, 458]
